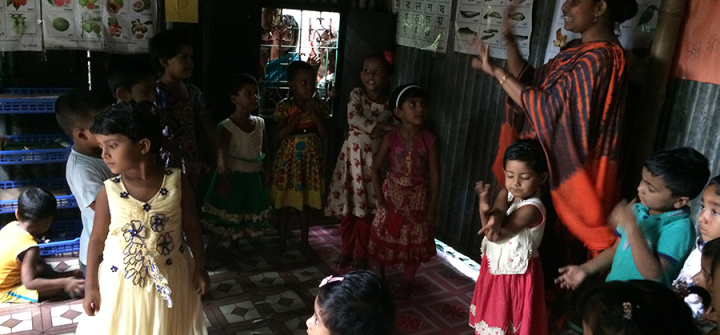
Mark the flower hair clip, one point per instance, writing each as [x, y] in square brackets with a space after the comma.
[330, 279]
[389, 57]
[627, 310]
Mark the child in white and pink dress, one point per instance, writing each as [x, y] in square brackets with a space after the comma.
[352, 196]
[509, 295]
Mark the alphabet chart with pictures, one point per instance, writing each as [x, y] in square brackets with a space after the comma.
[423, 24]
[483, 20]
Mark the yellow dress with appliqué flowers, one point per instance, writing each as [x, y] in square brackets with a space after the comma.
[146, 274]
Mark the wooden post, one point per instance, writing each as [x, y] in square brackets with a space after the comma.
[662, 53]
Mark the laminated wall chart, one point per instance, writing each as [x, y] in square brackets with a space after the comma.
[483, 19]
[119, 26]
[423, 24]
[636, 33]
[19, 27]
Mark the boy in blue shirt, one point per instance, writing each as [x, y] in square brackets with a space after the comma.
[85, 171]
[655, 235]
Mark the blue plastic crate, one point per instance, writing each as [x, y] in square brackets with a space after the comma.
[59, 247]
[64, 230]
[35, 90]
[35, 156]
[63, 201]
[43, 102]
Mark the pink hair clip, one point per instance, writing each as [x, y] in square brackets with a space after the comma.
[330, 279]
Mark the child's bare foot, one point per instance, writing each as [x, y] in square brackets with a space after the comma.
[343, 261]
[360, 264]
[404, 291]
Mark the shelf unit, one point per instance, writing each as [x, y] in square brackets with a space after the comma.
[63, 236]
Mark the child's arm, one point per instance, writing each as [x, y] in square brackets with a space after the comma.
[431, 214]
[31, 277]
[673, 244]
[223, 187]
[96, 246]
[267, 163]
[375, 171]
[523, 217]
[191, 228]
[572, 276]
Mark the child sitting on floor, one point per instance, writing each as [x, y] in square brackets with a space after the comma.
[656, 235]
[24, 276]
[358, 303]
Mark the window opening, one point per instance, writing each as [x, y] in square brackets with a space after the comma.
[289, 35]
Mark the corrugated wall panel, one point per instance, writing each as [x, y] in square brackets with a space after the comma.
[693, 118]
[465, 112]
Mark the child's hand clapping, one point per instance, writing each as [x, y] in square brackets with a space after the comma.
[622, 215]
[201, 280]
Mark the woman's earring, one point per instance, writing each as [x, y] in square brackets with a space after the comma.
[595, 19]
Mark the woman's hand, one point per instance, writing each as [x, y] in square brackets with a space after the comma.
[201, 280]
[508, 23]
[91, 303]
[482, 61]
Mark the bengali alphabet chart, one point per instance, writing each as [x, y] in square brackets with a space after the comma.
[483, 20]
[19, 27]
[423, 24]
[120, 26]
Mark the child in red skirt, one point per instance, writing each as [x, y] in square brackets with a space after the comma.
[509, 295]
[403, 229]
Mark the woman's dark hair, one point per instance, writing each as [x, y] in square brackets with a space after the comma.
[715, 181]
[238, 81]
[528, 151]
[360, 304]
[36, 204]
[411, 92]
[685, 171]
[167, 44]
[130, 119]
[384, 59]
[621, 10]
[636, 307]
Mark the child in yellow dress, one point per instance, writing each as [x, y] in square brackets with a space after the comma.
[141, 275]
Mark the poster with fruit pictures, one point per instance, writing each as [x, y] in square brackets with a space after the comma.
[634, 34]
[482, 20]
[117, 26]
[19, 27]
[423, 24]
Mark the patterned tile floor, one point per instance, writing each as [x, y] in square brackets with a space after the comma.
[263, 294]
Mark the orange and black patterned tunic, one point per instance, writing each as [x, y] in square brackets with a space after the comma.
[575, 106]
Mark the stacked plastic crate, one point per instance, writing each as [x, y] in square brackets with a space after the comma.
[64, 235]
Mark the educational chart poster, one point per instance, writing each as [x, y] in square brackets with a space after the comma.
[117, 26]
[19, 26]
[698, 48]
[483, 19]
[636, 33]
[423, 24]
